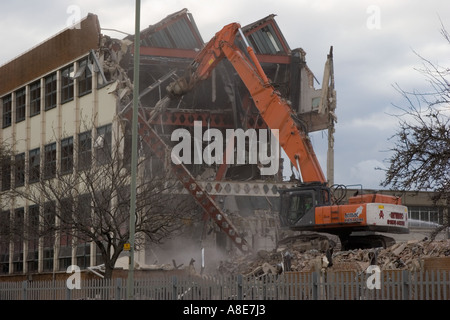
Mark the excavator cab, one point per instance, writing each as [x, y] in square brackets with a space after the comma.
[298, 204]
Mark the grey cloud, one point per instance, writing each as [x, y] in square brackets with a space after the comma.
[367, 61]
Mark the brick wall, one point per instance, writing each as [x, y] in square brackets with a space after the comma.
[51, 54]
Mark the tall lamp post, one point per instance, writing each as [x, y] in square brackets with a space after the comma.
[137, 40]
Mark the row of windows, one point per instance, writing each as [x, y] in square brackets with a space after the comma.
[14, 231]
[49, 94]
[425, 216]
[17, 168]
[82, 261]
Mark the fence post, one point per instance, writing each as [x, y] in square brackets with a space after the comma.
[174, 288]
[405, 284]
[239, 287]
[118, 288]
[315, 286]
[24, 290]
[68, 293]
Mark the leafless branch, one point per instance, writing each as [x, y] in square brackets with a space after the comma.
[421, 151]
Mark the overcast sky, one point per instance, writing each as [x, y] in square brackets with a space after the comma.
[374, 43]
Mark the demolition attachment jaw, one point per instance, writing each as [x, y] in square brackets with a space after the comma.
[178, 87]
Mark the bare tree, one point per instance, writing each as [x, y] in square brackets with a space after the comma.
[91, 202]
[421, 153]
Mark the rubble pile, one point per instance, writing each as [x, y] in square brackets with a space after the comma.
[406, 255]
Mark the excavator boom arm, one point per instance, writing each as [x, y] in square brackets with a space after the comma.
[275, 111]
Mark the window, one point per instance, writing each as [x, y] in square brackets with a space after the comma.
[6, 175]
[84, 208]
[18, 235]
[18, 232]
[19, 170]
[7, 111]
[84, 76]
[48, 228]
[20, 105]
[66, 218]
[33, 237]
[50, 160]
[33, 227]
[83, 214]
[102, 144]
[50, 91]
[67, 155]
[426, 217]
[66, 232]
[67, 84]
[35, 98]
[5, 225]
[84, 150]
[295, 205]
[34, 165]
[5, 230]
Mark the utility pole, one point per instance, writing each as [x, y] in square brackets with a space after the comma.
[137, 40]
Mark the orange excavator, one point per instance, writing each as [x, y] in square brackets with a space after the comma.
[310, 206]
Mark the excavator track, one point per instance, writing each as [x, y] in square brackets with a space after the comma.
[367, 241]
[309, 241]
[323, 242]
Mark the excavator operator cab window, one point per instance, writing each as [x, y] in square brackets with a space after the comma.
[297, 205]
[325, 197]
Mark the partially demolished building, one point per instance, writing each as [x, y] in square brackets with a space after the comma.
[60, 108]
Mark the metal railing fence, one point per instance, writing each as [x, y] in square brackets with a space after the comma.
[348, 285]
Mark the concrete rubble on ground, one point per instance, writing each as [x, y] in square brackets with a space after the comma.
[406, 255]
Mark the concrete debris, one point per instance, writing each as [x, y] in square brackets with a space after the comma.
[401, 256]
[114, 56]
